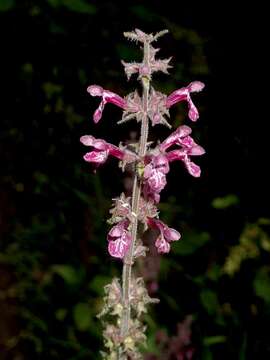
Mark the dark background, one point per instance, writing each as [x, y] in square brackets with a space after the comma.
[53, 209]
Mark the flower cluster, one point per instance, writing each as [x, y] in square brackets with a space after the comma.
[155, 164]
[132, 215]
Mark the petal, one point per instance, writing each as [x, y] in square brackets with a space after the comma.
[177, 96]
[119, 247]
[162, 245]
[87, 140]
[196, 150]
[157, 181]
[147, 171]
[118, 230]
[182, 155]
[161, 163]
[97, 115]
[187, 142]
[193, 113]
[192, 168]
[171, 234]
[150, 195]
[95, 90]
[176, 136]
[115, 151]
[176, 155]
[196, 86]
[111, 97]
[100, 144]
[97, 157]
[115, 232]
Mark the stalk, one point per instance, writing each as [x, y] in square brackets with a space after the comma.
[136, 194]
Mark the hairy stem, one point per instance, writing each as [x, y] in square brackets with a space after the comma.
[136, 193]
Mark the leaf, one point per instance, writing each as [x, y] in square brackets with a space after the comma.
[67, 272]
[261, 284]
[191, 243]
[207, 354]
[82, 196]
[60, 314]
[212, 340]
[98, 283]
[6, 5]
[225, 202]
[144, 13]
[79, 6]
[243, 348]
[209, 301]
[82, 316]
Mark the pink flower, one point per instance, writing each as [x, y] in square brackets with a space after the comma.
[119, 239]
[188, 147]
[166, 235]
[155, 177]
[176, 137]
[101, 151]
[107, 97]
[150, 195]
[182, 155]
[184, 94]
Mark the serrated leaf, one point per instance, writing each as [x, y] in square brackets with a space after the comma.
[82, 316]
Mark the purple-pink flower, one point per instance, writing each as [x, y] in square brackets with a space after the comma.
[155, 177]
[183, 94]
[107, 97]
[119, 239]
[101, 150]
[166, 235]
[188, 147]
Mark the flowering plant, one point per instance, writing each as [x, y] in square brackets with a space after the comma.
[132, 216]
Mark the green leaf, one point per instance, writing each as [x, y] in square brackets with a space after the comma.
[82, 316]
[209, 301]
[98, 283]
[191, 243]
[79, 6]
[225, 202]
[60, 314]
[262, 284]
[144, 13]
[212, 340]
[82, 196]
[6, 5]
[243, 348]
[67, 272]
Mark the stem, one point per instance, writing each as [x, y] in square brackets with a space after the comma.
[136, 194]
